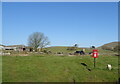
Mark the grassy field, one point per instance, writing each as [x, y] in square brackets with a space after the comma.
[87, 50]
[45, 68]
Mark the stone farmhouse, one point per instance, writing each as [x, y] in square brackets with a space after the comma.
[16, 48]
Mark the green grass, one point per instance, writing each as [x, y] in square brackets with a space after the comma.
[58, 69]
[64, 49]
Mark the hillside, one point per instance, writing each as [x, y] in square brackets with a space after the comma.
[110, 45]
[64, 50]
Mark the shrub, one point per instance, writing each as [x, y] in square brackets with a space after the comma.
[117, 48]
[107, 48]
[71, 48]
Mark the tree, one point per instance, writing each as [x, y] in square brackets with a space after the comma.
[76, 45]
[93, 47]
[37, 39]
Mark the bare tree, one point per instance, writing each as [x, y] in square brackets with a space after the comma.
[37, 39]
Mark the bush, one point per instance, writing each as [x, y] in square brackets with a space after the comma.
[117, 48]
[71, 48]
[107, 48]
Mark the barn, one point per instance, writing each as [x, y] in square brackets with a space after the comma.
[15, 47]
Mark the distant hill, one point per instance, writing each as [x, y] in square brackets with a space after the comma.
[110, 46]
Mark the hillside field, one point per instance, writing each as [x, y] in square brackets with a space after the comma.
[51, 68]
